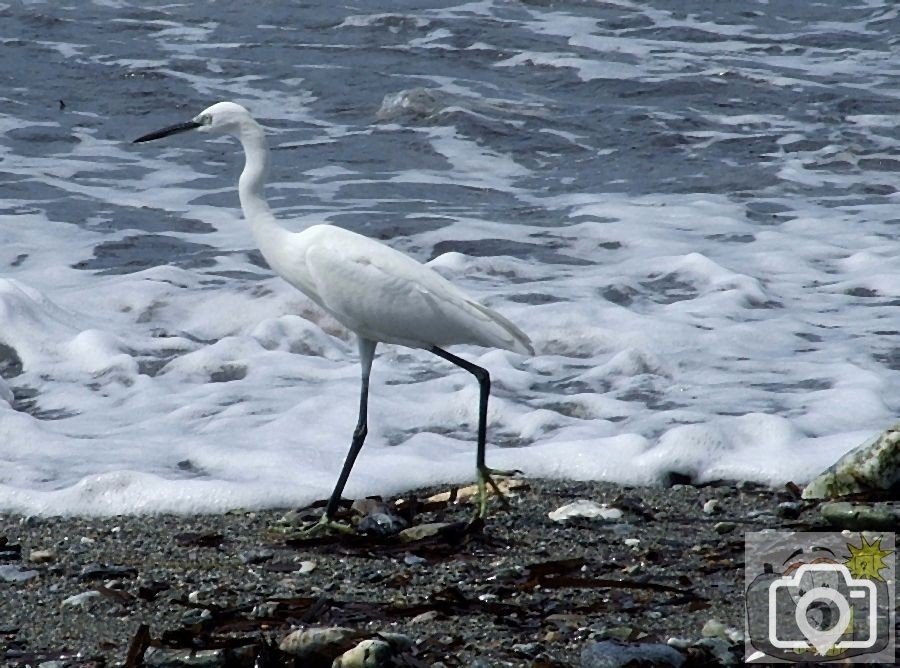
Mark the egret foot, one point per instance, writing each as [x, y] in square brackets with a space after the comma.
[324, 527]
[319, 529]
[485, 480]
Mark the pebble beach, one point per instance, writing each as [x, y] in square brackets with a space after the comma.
[664, 565]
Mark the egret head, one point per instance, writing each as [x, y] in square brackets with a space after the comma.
[220, 118]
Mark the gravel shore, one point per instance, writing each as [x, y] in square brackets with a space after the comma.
[523, 591]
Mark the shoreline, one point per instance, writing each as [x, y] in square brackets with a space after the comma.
[525, 590]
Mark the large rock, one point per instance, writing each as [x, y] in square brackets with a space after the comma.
[874, 465]
[315, 647]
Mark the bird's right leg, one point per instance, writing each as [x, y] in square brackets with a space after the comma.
[484, 474]
[327, 523]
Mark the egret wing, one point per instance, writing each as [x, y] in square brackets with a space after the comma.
[384, 295]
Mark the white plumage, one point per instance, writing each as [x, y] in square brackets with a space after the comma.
[376, 291]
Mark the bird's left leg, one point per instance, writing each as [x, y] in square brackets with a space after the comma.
[327, 523]
[484, 473]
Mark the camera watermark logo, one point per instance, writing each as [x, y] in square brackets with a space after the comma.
[814, 597]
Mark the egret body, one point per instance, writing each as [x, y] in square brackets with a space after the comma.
[375, 291]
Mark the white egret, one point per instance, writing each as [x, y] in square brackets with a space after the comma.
[375, 291]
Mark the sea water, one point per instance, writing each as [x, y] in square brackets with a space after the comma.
[691, 208]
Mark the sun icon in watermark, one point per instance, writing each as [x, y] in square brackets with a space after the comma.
[867, 560]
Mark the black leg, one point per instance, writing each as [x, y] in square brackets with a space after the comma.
[484, 473]
[366, 354]
[484, 382]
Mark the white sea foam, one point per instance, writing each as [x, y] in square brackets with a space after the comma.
[675, 333]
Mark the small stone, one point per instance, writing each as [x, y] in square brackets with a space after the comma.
[307, 567]
[616, 633]
[421, 531]
[195, 616]
[789, 510]
[80, 600]
[719, 649]
[713, 629]
[585, 508]
[413, 560]
[678, 643]
[425, 617]
[256, 556]
[632, 542]
[264, 610]
[11, 573]
[711, 506]
[735, 635]
[381, 524]
[104, 572]
[724, 527]
[158, 657]
[529, 649]
[41, 556]
[369, 653]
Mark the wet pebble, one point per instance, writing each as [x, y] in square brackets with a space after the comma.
[712, 506]
[11, 573]
[41, 556]
[256, 556]
[724, 527]
[612, 654]
[377, 518]
[104, 572]
[421, 531]
[587, 509]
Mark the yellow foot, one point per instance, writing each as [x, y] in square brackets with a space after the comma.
[321, 528]
[486, 479]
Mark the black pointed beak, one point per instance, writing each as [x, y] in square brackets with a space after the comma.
[165, 132]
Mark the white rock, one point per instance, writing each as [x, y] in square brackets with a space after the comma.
[711, 506]
[632, 542]
[585, 508]
[307, 567]
[80, 600]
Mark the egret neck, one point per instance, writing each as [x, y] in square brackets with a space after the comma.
[270, 237]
